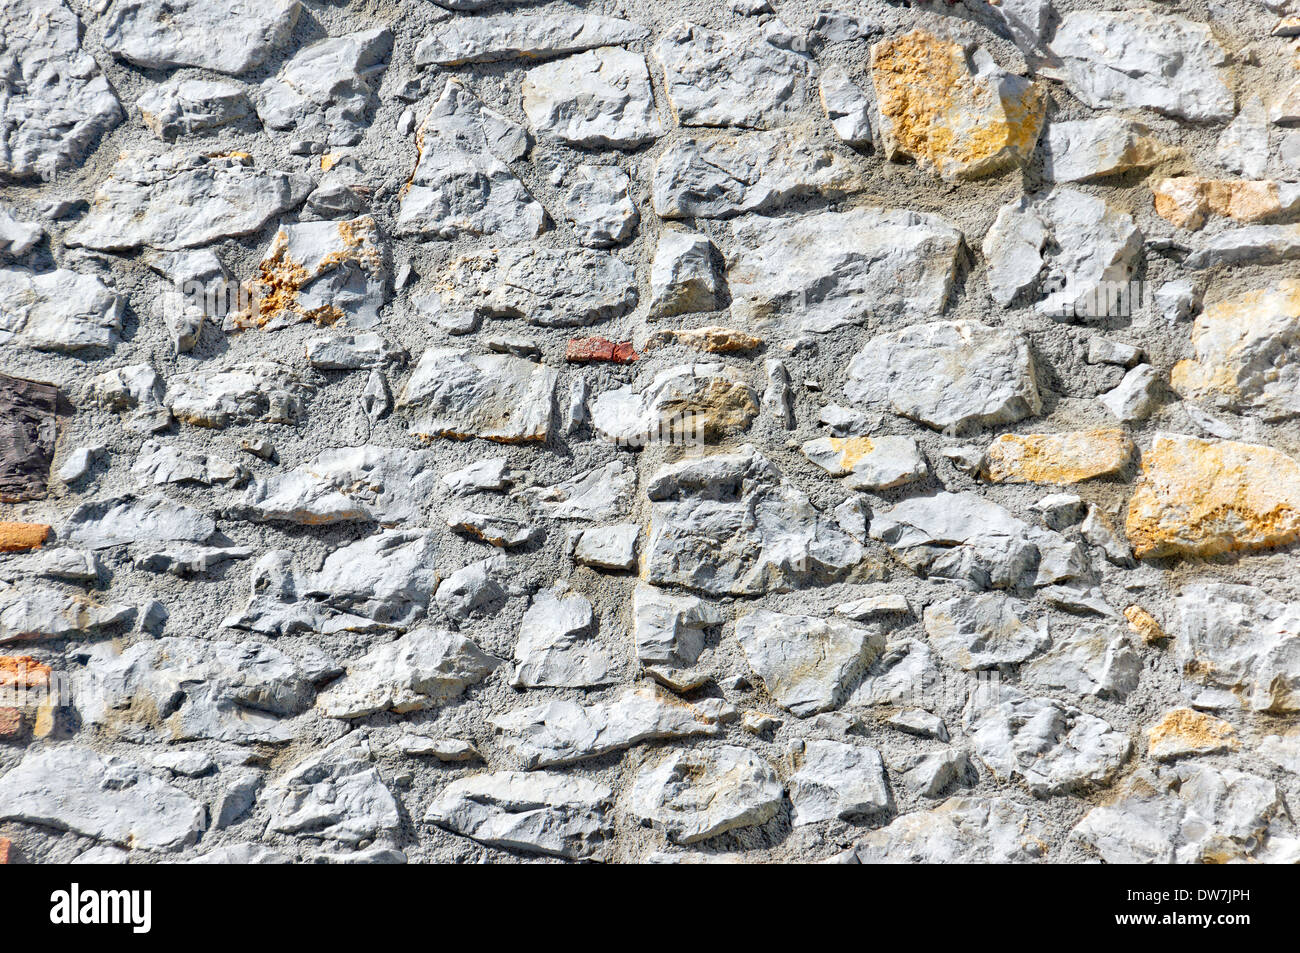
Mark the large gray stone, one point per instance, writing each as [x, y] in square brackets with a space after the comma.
[59, 311]
[694, 794]
[510, 36]
[452, 393]
[595, 99]
[228, 36]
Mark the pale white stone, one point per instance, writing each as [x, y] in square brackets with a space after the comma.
[694, 794]
[595, 99]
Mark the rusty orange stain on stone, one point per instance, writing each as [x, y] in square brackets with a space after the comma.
[1058, 457]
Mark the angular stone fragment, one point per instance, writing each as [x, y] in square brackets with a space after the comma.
[461, 184]
[596, 99]
[185, 689]
[1256, 244]
[543, 286]
[847, 107]
[694, 794]
[947, 374]
[1187, 200]
[1135, 397]
[608, 547]
[1247, 353]
[30, 612]
[688, 402]
[423, 669]
[836, 780]
[261, 391]
[59, 311]
[955, 112]
[158, 464]
[186, 559]
[668, 628]
[511, 36]
[1184, 731]
[324, 272]
[70, 788]
[492, 396]
[837, 268]
[1053, 748]
[806, 663]
[1238, 638]
[682, 278]
[228, 36]
[388, 577]
[28, 429]
[557, 647]
[961, 830]
[561, 732]
[352, 352]
[732, 79]
[17, 238]
[598, 206]
[1171, 64]
[751, 172]
[536, 813]
[713, 339]
[55, 103]
[600, 493]
[985, 631]
[183, 106]
[879, 463]
[966, 538]
[725, 524]
[182, 199]
[1085, 149]
[1187, 815]
[335, 795]
[1087, 658]
[1062, 458]
[325, 93]
[385, 484]
[101, 524]
[1201, 497]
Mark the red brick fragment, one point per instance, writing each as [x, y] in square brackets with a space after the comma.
[587, 350]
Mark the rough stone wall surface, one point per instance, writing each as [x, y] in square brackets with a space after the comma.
[629, 431]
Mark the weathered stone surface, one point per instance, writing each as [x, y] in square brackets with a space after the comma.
[18, 238]
[1188, 814]
[732, 79]
[1084, 149]
[1238, 638]
[511, 36]
[1247, 353]
[1064, 458]
[183, 106]
[1052, 748]
[326, 272]
[1256, 244]
[688, 402]
[985, 630]
[598, 206]
[600, 493]
[385, 484]
[542, 286]
[71, 788]
[608, 547]
[1184, 731]
[1200, 497]
[751, 172]
[259, 391]
[1187, 200]
[692, 795]
[493, 396]
[947, 374]
[598, 98]
[807, 664]
[1087, 659]
[20, 537]
[229, 36]
[955, 112]
[59, 311]
[669, 629]
[557, 645]
[1133, 400]
[335, 795]
[182, 199]
[29, 613]
[837, 268]
[847, 106]
[879, 463]
[159, 464]
[462, 184]
[423, 669]
[682, 277]
[966, 538]
[961, 830]
[185, 689]
[836, 780]
[28, 429]
[562, 732]
[725, 524]
[101, 524]
[538, 812]
[55, 103]
[1171, 64]
[325, 93]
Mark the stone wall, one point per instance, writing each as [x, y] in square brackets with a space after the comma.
[484, 431]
